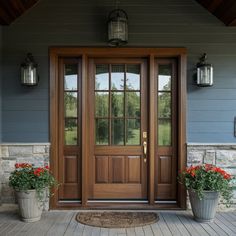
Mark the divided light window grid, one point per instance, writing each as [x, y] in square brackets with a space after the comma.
[71, 95]
[164, 104]
[117, 104]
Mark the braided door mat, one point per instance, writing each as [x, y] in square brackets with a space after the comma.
[117, 219]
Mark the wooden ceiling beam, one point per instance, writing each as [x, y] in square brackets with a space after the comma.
[12, 9]
[225, 10]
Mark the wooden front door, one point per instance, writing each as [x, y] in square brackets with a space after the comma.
[118, 129]
[117, 119]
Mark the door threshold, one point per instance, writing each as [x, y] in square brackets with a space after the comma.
[118, 201]
[117, 206]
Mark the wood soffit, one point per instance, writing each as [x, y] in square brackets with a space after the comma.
[225, 10]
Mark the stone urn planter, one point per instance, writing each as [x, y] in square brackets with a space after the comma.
[32, 186]
[30, 207]
[204, 209]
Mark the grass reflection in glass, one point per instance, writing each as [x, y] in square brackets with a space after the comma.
[70, 132]
[164, 132]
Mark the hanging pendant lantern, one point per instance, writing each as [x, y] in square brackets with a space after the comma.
[204, 72]
[29, 74]
[117, 28]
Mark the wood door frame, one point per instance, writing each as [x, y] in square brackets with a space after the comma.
[150, 53]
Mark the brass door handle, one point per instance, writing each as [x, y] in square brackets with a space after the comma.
[145, 151]
[145, 148]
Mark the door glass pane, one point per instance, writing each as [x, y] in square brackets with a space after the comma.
[133, 104]
[164, 132]
[117, 104]
[70, 79]
[101, 104]
[70, 103]
[164, 105]
[117, 131]
[102, 128]
[164, 77]
[133, 77]
[70, 132]
[117, 77]
[102, 77]
[133, 132]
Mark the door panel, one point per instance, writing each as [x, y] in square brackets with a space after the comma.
[166, 108]
[69, 129]
[118, 119]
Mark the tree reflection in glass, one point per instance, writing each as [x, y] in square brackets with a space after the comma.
[102, 127]
[101, 104]
[117, 104]
[70, 104]
[117, 130]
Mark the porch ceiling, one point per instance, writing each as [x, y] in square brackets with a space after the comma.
[225, 10]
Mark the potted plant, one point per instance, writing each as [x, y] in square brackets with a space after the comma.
[31, 184]
[205, 183]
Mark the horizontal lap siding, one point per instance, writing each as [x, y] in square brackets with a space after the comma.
[152, 23]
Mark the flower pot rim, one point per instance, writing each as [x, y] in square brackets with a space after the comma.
[208, 191]
[27, 190]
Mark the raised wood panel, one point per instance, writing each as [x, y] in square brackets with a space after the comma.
[165, 170]
[134, 169]
[166, 192]
[117, 169]
[71, 169]
[118, 191]
[101, 169]
[69, 192]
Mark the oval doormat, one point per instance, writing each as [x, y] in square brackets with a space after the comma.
[117, 219]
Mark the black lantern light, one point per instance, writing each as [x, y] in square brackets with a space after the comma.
[117, 28]
[204, 72]
[29, 74]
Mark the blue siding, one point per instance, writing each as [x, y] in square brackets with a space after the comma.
[159, 23]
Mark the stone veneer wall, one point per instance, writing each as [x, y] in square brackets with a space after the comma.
[221, 155]
[34, 153]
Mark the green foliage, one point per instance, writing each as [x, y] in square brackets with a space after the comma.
[26, 177]
[207, 178]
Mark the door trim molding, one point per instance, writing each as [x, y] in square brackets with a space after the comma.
[85, 52]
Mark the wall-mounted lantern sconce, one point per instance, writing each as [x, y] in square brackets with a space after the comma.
[117, 28]
[29, 73]
[204, 72]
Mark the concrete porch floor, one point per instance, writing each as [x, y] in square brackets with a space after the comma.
[58, 223]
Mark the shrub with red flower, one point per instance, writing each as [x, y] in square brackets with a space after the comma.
[27, 177]
[207, 178]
